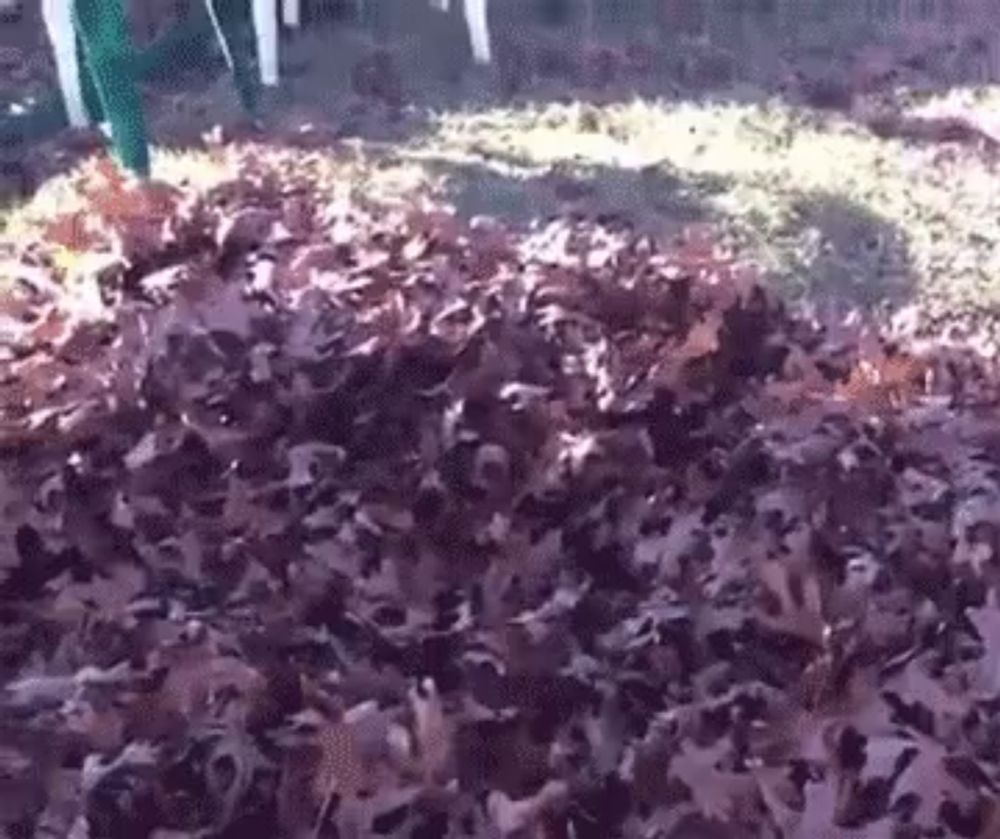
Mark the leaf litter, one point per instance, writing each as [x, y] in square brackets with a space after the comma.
[327, 518]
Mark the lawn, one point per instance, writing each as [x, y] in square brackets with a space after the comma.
[825, 206]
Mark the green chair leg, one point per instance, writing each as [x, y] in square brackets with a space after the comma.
[91, 99]
[108, 55]
[109, 68]
[235, 32]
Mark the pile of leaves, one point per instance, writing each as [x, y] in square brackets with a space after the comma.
[324, 519]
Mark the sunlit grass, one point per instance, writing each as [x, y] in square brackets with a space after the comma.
[825, 206]
[821, 202]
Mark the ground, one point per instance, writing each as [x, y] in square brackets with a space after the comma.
[713, 129]
[593, 505]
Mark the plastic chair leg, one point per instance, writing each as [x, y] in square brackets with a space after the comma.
[265, 24]
[476, 19]
[58, 17]
[291, 13]
[110, 60]
[229, 20]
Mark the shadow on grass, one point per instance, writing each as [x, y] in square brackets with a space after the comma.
[828, 250]
[837, 251]
[653, 198]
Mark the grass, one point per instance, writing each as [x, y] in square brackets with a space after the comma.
[822, 203]
[825, 206]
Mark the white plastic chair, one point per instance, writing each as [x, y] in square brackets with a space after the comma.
[58, 19]
[291, 13]
[477, 21]
[265, 24]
